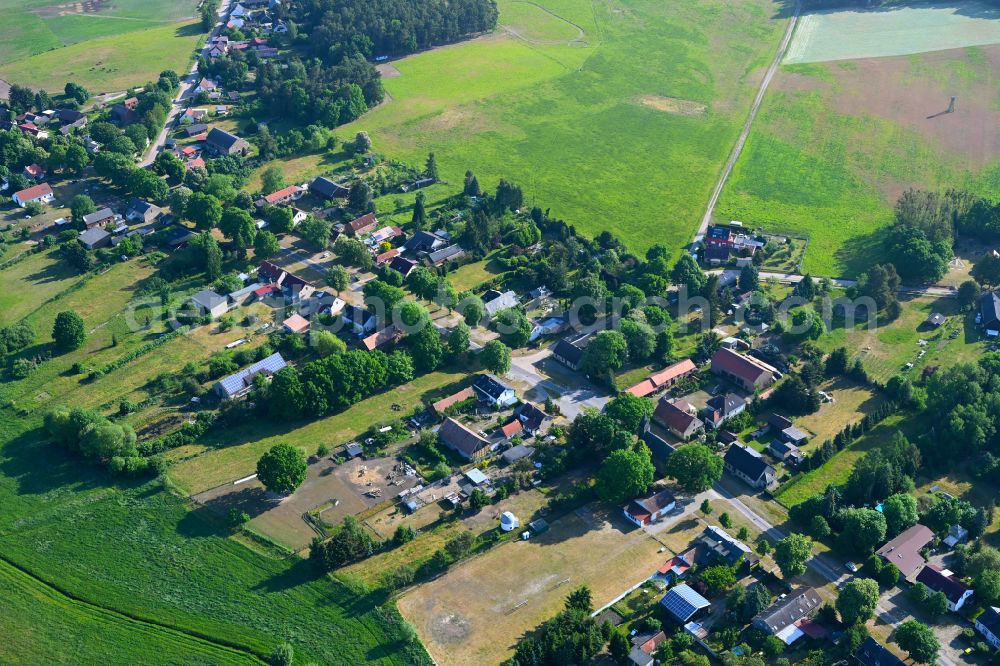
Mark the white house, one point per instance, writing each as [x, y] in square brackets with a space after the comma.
[942, 580]
[988, 624]
[491, 391]
[41, 193]
[210, 303]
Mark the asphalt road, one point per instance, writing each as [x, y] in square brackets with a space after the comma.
[793, 278]
[571, 400]
[188, 84]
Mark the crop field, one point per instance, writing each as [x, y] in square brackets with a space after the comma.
[468, 615]
[35, 26]
[77, 633]
[890, 31]
[109, 63]
[836, 143]
[623, 128]
[233, 453]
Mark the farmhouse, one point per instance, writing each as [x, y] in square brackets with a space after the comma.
[222, 142]
[678, 417]
[460, 439]
[904, 550]
[873, 653]
[41, 193]
[989, 313]
[240, 383]
[683, 603]
[746, 372]
[663, 379]
[749, 466]
[293, 287]
[511, 429]
[658, 446]
[361, 225]
[95, 238]
[210, 303]
[361, 320]
[650, 509]
[988, 624]
[386, 257]
[493, 392]
[788, 618]
[942, 580]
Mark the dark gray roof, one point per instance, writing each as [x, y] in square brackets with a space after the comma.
[444, 254]
[98, 216]
[873, 653]
[197, 128]
[989, 307]
[531, 416]
[571, 351]
[747, 461]
[797, 605]
[494, 301]
[92, 236]
[726, 403]
[424, 241]
[208, 299]
[222, 138]
[990, 619]
[489, 386]
[460, 438]
[328, 188]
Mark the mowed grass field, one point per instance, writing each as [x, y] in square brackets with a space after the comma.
[31, 27]
[108, 64]
[625, 128]
[836, 143]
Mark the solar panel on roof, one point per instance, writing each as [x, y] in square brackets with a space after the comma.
[236, 382]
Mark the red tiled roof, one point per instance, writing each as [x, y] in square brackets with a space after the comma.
[363, 222]
[511, 428]
[296, 323]
[675, 416]
[657, 380]
[34, 170]
[388, 255]
[445, 403]
[746, 368]
[281, 194]
[196, 162]
[35, 192]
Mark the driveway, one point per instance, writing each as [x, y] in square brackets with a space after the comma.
[571, 397]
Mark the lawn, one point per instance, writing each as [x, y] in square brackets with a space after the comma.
[109, 63]
[233, 453]
[24, 286]
[828, 155]
[624, 128]
[838, 469]
[470, 276]
[851, 403]
[885, 349]
[35, 26]
[42, 623]
[473, 614]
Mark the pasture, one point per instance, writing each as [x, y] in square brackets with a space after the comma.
[31, 27]
[473, 614]
[838, 34]
[835, 144]
[569, 117]
[109, 63]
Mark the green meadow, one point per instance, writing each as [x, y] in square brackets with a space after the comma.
[31, 27]
[827, 158]
[616, 114]
[109, 63]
